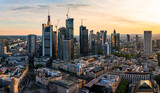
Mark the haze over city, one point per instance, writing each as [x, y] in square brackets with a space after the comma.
[23, 17]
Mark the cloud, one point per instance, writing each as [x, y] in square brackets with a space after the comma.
[29, 8]
[74, 6]
[22, 8]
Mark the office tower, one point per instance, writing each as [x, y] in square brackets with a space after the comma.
[158, 43]
[102, 37]
[47, 38]
[94, 47]
[76, 50]
[66, 50]
[62, 34]
[153, 43]
[106, 49]
[137, 39]
[1, 47]
[90, 38]
[115, 41]
[83, 41]
[32, 42]
[70, 29]
[128, 37]
[55, 45]
[99, 43]
[60, 46]
[147, 41]
[105, 37]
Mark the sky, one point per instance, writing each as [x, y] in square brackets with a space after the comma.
[23, 17]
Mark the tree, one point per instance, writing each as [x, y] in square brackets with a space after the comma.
[157, 79]
[123, 88]
[39, 65]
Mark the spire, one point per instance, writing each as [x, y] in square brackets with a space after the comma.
[49, 22]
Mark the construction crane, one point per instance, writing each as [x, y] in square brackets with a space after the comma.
[56, 26]
[67, 22]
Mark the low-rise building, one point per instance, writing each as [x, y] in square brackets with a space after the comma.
[96, 72]
[45, 75]
[104, 84]
[45, 61]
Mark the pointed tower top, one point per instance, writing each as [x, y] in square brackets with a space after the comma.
[114, 31]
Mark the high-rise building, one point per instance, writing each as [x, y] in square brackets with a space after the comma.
[90, 38]
[61, 36]
[99, 42]
[128, 38]
[70, 29]
[1, 47]
[137, 39]
[83, 41]
[76, 50]
[115, 41]
[106, 49]
[32, 42]
[66, 50]
[63, 32]
[47, 39]
[105, 37]
[147, 41]
[158, 43]
[94, 47]
[55, 46]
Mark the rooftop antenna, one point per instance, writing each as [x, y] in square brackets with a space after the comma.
[67, 22]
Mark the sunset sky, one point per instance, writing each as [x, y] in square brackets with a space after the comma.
[23, 17]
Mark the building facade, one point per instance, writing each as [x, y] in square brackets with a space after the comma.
[83, 41]
[147, 41]
[115, 41]
[32, 42]
[47, 39]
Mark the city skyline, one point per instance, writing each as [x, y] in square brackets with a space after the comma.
[23, 17]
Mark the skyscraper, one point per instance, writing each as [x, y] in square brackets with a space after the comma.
[55, 46]
[137, 39]
[1, 47]
[105, 37]
[90, 38]
[147, 41]
[115, 41]
[128, 37]
[106, 49]
[61, 36]
[32, 42]
[71, 34]
[83, 41]
[94, 47]
[47, 38]
[158, 43]
[66, 50]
